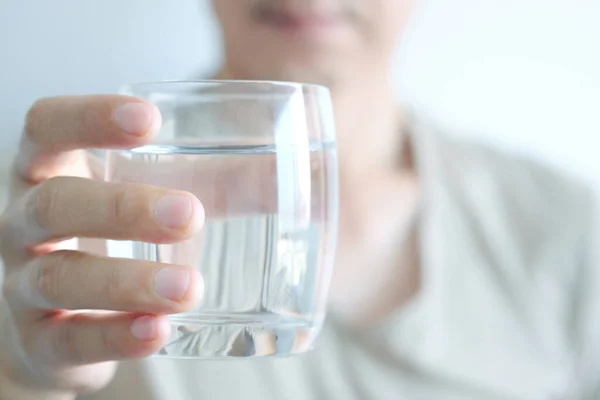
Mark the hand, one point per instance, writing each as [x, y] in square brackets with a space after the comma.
[51, 339]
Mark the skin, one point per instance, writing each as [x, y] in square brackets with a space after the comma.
[49, 351]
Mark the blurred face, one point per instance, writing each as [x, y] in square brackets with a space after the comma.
[318, 41]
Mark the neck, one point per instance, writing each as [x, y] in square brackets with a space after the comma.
[368, 123]
[379, 202]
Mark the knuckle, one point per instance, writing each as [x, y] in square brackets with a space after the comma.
[66, 344]
[51, 275]
[113, 288]
[126, 208]
[43, 203]
[12, 229]
[15, 290]
[4, 234]
[34, 118]
[108, 343]
[10, 289]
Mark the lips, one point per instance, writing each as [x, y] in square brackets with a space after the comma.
[304, 21]
[297, 21]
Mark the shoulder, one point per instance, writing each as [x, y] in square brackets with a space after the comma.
[534, 199]
[538, 228]
[505, 238]
[529, 224]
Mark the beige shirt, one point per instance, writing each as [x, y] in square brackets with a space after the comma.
[509, 306]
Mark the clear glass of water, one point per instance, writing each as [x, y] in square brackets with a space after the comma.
[261, 157]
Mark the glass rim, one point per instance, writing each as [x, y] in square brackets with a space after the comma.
[230, 82]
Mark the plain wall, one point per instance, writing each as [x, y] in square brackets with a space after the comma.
[520, 73]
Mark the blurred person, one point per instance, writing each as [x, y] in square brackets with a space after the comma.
[462, 272]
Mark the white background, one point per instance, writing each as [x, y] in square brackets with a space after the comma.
[522, 73]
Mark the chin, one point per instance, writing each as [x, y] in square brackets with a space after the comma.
[326, 79]
[319, 73]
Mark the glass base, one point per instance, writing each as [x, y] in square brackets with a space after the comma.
[235, 336]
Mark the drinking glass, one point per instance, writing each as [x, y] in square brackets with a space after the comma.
[261, 157]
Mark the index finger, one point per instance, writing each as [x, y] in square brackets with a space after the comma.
[56, 127]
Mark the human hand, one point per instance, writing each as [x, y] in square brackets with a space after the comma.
[53, 338]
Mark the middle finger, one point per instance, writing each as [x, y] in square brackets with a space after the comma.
[67, 207]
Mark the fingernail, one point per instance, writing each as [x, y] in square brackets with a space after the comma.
[174, 210]
[144, 328]
[172, 283]
[133, 118]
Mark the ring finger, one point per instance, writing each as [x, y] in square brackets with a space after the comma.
[75, 280]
